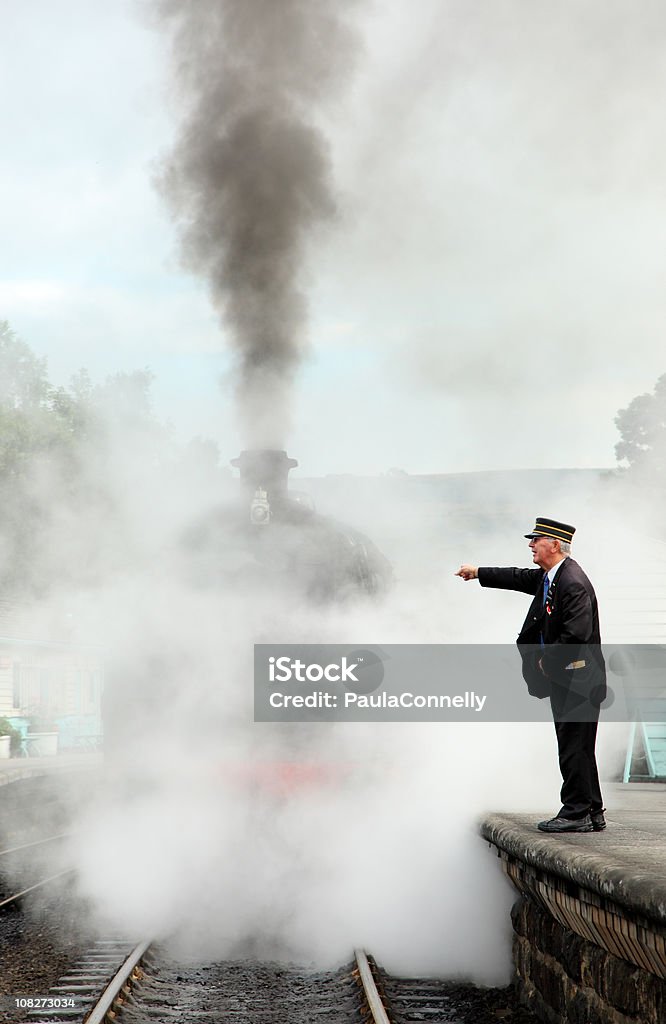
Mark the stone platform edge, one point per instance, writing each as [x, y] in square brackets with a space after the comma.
[624, 865]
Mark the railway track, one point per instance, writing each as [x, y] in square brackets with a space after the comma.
[392, 1000]
[93, 990]
[16, 854]
[140, 985]
[98, 987]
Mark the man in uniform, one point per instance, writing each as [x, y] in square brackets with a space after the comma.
[560, 645]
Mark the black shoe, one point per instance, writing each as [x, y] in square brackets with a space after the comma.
[598, 820]
[566, 825]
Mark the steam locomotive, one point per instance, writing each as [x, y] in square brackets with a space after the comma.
[268, 539]
[275, 536]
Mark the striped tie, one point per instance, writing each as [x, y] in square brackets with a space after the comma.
[543, 603]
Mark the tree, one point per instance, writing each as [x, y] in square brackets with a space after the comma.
[23, 381]
[39, 423]
[88, 473]
[72, 460]
[643, 428]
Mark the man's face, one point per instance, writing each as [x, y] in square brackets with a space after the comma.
[545, 551]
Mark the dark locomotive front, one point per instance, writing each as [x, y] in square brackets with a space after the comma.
[275, 538]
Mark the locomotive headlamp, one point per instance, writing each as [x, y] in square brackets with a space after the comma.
[260, 509]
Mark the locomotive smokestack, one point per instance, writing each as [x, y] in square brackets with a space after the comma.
[264, 469]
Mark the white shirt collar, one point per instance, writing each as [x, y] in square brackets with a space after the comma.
[552, 572]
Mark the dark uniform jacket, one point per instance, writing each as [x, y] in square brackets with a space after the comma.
[563, 634]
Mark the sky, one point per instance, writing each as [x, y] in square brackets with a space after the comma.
[490, 291]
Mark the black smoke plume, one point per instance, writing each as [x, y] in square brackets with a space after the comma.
[249, 176]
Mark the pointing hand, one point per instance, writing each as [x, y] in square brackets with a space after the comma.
[468, 572]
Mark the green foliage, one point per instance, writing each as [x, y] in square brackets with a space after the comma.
[23, 381]
[643, 428]
[39, 421]
[70, 459]
[15, 738]
[36, 419]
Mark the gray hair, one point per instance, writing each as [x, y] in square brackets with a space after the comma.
[565, 545]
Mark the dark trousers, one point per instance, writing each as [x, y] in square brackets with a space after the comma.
[580, 791]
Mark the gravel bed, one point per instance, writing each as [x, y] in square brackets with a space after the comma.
[250, 992]
[245, 991]
[457, 1003]
[37, 945]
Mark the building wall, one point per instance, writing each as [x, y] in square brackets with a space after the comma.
[45, 680]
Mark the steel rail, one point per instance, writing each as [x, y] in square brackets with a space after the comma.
[116, 985]
[35, 842]
[372, 996]
[37, 885]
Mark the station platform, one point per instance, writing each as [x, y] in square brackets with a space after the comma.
[14, 768]
[590, 927]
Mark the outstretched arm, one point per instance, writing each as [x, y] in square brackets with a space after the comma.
[525, 580]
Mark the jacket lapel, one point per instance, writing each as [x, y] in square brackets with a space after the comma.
[560, 577]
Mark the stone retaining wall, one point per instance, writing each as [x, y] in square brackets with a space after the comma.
[566, 979]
